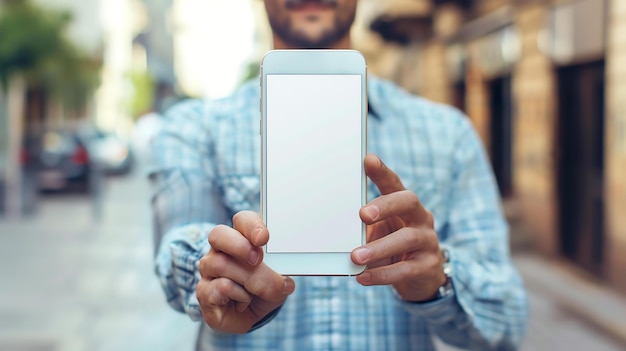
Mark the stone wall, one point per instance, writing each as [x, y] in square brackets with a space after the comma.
[534, 93]
[616, 145]
[423, 68]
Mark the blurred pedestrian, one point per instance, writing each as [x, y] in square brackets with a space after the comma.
[446, 272]
[146, 129]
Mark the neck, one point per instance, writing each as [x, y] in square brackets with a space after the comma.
[342, 44]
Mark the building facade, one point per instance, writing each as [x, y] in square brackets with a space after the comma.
[542, 83]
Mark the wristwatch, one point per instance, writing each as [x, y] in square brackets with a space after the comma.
[446, 289]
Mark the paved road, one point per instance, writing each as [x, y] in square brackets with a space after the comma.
[71, 283]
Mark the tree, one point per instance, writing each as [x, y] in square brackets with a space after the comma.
[33, 44]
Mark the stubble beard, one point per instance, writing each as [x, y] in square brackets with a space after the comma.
[299, 39]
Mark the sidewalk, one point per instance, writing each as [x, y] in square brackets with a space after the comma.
[566, 312]
[72, 283]
[571, 290]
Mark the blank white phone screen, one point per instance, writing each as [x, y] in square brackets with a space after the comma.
[313, 167]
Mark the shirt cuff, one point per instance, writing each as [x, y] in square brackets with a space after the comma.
[265, 319]
[176, 265]
[439, 311]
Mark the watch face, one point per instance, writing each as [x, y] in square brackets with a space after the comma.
[446, 289]
[447, 269]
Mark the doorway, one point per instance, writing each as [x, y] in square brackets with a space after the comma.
[580, 173]
[501, 133]
[460, 91]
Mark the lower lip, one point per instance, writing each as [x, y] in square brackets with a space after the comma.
[310, 7]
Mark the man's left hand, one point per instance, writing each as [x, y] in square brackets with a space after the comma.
[402, 247]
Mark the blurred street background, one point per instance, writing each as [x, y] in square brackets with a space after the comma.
[83, 85]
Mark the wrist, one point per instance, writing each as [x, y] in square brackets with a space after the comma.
[444, 285]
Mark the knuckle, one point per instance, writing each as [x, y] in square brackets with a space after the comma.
[381, 277]
[432, 239]
[411, 238]
[263, 289]
[213, 238]
[202, 292]
[268, 289]
[217, 264]
[381, 250]
[202, 265]
[240, 217]
[408, 271]
[216, 293]
[209, 299]
[430, 219]
[395, 178]
[402, 272]
[413, 199]
[436, 262]
[224, 286]
[237, 217]
[216, 233]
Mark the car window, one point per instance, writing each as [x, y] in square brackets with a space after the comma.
[57, 142]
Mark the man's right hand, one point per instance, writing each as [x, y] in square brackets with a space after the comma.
[237, 289]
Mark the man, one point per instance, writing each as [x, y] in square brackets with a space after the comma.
[433, 205]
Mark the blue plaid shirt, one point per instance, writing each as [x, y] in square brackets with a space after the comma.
[207, 168]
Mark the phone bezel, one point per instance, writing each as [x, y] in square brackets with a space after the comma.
[323, 62]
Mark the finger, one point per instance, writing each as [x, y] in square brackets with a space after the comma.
[252, 227]
[405, 240]
[386, 275]
[218, 264]
[402, 203]
[385, 179]
[260, 281]
[215, 297]
[394, 273]
[269, 285]
[221, 291]
[230, 241]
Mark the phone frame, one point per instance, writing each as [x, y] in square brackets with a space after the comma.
[314, 62]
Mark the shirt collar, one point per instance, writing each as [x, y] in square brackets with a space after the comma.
[373, 101]
[371, 111]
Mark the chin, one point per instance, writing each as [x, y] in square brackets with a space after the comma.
[313, 35]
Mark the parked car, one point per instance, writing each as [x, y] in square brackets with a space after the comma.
[59, 159]
[111, 153]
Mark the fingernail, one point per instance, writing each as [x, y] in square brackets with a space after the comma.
[363, 254]
[372, 212]
[255, 235]
[253, 259]
[289, 286]
[365, 277]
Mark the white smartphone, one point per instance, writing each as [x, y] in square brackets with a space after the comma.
[313, 143]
